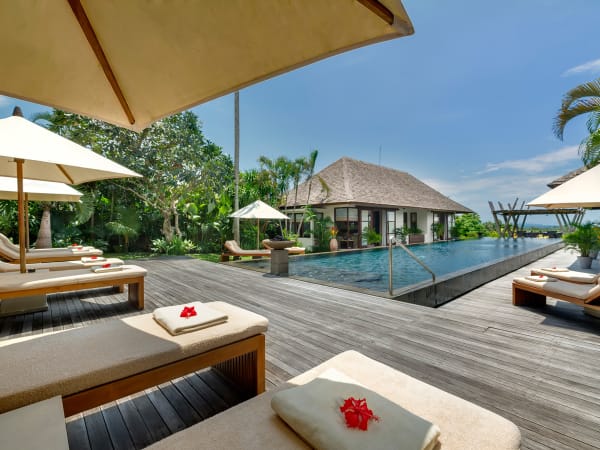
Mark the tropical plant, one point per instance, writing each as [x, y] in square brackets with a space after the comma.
[177, 246]
[581, 100]
[438, 230]
[372, 236]
[468, 226]
[585, 239]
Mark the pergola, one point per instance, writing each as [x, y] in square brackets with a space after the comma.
[514, 219]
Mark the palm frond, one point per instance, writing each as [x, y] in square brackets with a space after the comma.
[589, 149]
[564, 115]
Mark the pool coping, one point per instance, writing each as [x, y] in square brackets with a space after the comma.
[445, 288]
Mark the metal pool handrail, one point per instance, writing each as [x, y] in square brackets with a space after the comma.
[393, 242]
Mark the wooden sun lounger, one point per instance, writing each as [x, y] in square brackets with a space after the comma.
[534, 293]
[233, 250]
[13, 285]
[10, 252]
[572, 276]
[92, 365]
[253, 425]
[57, 266]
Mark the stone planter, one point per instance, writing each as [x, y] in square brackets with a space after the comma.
[585, 262]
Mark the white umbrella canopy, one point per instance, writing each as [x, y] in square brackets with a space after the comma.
[582, 191]
[258, 210]
[38, 191]
[133, 62]
[30, 151]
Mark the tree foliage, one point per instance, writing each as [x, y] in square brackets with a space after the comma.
[582, 100]
[468, 226]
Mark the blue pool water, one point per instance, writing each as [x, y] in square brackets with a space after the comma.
[368, 269]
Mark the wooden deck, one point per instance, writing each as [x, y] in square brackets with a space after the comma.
[539, 368]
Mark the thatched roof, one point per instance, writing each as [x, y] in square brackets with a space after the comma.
[567, 177]
[361, 183]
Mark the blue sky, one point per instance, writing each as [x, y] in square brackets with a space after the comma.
[466, 104]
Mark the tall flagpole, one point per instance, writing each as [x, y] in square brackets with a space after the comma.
[236, 162]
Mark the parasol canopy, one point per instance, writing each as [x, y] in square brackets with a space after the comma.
[133, 62]
[582, 191]
[258, 210]
[30, 151]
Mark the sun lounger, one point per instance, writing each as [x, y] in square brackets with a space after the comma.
[14, 285]
[95, 364]
[9, 252]
[63, 265]
[233, 249]
[254, 425]
[568, 275]
[527, 292]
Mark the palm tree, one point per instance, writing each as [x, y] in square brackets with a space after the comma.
[582, 99]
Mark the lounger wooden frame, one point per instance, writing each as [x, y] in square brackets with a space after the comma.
[243, 362]
[32, 259]
[135, 290]
[527, 295]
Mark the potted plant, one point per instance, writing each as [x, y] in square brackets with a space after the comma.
[333, 242]
[438, 230]
[372, 236]
[415, 235]
[585, 239]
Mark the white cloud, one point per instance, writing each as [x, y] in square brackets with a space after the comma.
[591, 67]
[537, 164]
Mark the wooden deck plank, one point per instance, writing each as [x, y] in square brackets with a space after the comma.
[536, 367]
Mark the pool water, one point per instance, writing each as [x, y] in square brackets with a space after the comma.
[368, 269]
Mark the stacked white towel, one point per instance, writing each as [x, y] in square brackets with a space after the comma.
[313, 411]
[91, 259]
[539, 278]
[170, 318]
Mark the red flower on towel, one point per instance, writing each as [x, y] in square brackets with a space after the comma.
[75, 244]
[357, 413]
[94, 257]
[188, 311]
[105, 266]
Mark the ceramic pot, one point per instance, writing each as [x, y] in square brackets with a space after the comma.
[585, 262]
[333, 245]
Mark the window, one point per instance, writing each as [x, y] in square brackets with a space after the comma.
[390, 224]
[296, 221]
[413, 221]
[346, 221]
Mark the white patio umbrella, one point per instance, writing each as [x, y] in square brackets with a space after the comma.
[582, 191]
[135, 61]
[35, 190]
[38, 191]
[30, 151]
[259, 210]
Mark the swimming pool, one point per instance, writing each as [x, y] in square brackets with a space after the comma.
[459, 266]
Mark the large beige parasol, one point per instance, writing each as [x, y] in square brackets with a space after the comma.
[258, 210]
[30, 151]
[582, 191]
[135, 61]
[35, 190]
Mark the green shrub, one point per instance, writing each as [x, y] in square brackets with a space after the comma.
[177, 246]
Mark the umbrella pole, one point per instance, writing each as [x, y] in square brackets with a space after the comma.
[257, 233]
[26, 221]
[21, 202]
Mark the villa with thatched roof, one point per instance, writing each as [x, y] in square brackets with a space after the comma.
[361, 197]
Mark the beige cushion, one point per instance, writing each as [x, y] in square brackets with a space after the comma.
[70, 361]
[22, 281]
[33, 427]
[575, 290]
[313, 411]
[254, 425]
[64, 265]
[568, 275]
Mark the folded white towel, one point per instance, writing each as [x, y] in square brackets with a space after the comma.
[539, 278]
[169, 318]
[91, 259]
[313, 411]
[555, 269]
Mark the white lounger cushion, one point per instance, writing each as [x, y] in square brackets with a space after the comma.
[70, 361]
[568, 275]
[575, 290]
[253, 425]
[62, 265]
[21, 281]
